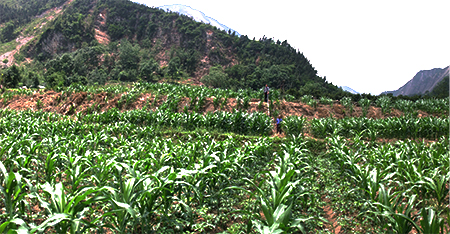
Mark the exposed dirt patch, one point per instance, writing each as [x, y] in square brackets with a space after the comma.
[10, 55]
[163, 58]
[100, 28]
[101, 37]
[69, 104]
[331, 216]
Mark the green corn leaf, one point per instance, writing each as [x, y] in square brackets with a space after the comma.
[51, 221]
[125, 206]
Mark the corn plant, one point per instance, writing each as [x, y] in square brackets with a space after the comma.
[128, 98]
[12, 188]
[436, 185]
[431, 222]
[224, 102]
[123, 200]
[260, 105]
[365, 104]
[385, 103]
[67, 211]
[404, 105]
[313, 103]
[246, 102]
[401, 127]
[14, 226]
[289, 98]
[398, 214]
[155, 99]
[348, 104]
[276, 203]
[293, 125]
[324, 127]
[39, 104]
[216, 102]
[238, 103]
[131, 171]
[306, 98]
[435, 106]
[326, 101]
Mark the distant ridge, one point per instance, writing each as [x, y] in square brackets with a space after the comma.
[128, 41]
[196, 15]
[424, 81]
[348, 89]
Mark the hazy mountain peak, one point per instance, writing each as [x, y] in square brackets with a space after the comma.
[348, 89]
[196, 15]
[424, 81]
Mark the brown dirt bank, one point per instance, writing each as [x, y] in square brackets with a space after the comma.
[69, 104]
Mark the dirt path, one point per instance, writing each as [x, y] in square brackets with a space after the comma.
[10, 55]
[330, 215]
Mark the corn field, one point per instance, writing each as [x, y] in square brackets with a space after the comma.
[163, 171]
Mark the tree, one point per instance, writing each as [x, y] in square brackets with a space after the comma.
[34, 78]
[216, 78]
[55, 80]
[314, 89]
[97, 76]
[7, 32]
[148, 69]
[173, 68]
[129, 55]
[441, 90]
[11, 76]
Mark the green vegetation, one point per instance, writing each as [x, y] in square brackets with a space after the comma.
[67, 52]
[161, 170]
[164, 171]
[406, 127]
[393, 186]
[5, 47]
[441, 90]
[16, 13]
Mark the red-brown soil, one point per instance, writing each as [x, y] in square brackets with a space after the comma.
[330, 215]
[65, 104]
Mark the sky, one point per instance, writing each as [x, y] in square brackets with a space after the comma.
[369, 46]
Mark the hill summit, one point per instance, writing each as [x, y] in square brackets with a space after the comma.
[97, 41]
[423, 82]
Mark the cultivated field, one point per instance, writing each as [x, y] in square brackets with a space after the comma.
[161, 158]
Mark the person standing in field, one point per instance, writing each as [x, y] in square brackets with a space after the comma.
[279, 119]
[266, 93]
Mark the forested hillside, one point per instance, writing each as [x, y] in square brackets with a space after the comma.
[14, 13]
[99, 41]
[441, 90]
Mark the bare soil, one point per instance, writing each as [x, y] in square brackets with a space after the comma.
[74, 103]
[330, 215]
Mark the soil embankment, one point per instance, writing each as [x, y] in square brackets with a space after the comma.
[69, 104]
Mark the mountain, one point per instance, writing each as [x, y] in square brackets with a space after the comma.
[423, 82]
[348, 89]
[441, 90]
[89, 42]
[196, 15]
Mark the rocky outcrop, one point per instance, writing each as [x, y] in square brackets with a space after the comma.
[422, 82]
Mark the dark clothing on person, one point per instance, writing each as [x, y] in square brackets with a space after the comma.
[266, 93]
